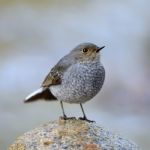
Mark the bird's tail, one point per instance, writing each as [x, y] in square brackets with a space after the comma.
[42, 93]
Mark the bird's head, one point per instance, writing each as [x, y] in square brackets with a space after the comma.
[86, 52]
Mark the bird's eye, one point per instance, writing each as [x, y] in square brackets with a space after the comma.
[85, 50]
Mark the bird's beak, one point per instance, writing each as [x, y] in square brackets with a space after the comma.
[99, 49]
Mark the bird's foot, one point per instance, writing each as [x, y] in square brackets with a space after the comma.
[67, 118]
[84, 118]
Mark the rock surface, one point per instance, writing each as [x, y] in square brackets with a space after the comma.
[71, 135]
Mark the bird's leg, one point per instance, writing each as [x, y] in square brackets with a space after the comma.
[84, 116]
[64, 115]
[62, 107]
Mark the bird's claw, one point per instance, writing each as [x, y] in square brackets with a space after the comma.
[84, 118]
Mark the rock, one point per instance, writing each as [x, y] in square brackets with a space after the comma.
[71, 135]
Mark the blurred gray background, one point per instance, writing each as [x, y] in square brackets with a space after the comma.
[34, 35]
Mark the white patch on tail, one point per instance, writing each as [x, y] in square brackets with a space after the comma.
[34, 93]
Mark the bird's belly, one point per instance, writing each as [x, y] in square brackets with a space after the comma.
[73, 93]
[78, 87]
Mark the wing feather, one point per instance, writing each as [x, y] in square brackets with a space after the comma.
[55, 75]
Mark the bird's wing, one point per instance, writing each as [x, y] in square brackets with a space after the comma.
[55, 75]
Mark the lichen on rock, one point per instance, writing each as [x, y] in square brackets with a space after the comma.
[71, 135]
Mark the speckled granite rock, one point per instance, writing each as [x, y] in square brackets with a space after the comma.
[71, 135]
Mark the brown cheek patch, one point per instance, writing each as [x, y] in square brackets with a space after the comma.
[92, 55]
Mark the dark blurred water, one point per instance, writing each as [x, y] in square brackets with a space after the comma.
[34, 35]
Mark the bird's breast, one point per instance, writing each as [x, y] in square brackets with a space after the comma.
[80, 83]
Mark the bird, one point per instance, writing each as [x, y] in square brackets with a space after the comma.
[76, 78]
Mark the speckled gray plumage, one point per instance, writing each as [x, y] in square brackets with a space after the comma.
[79, 77]
[80, 83]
